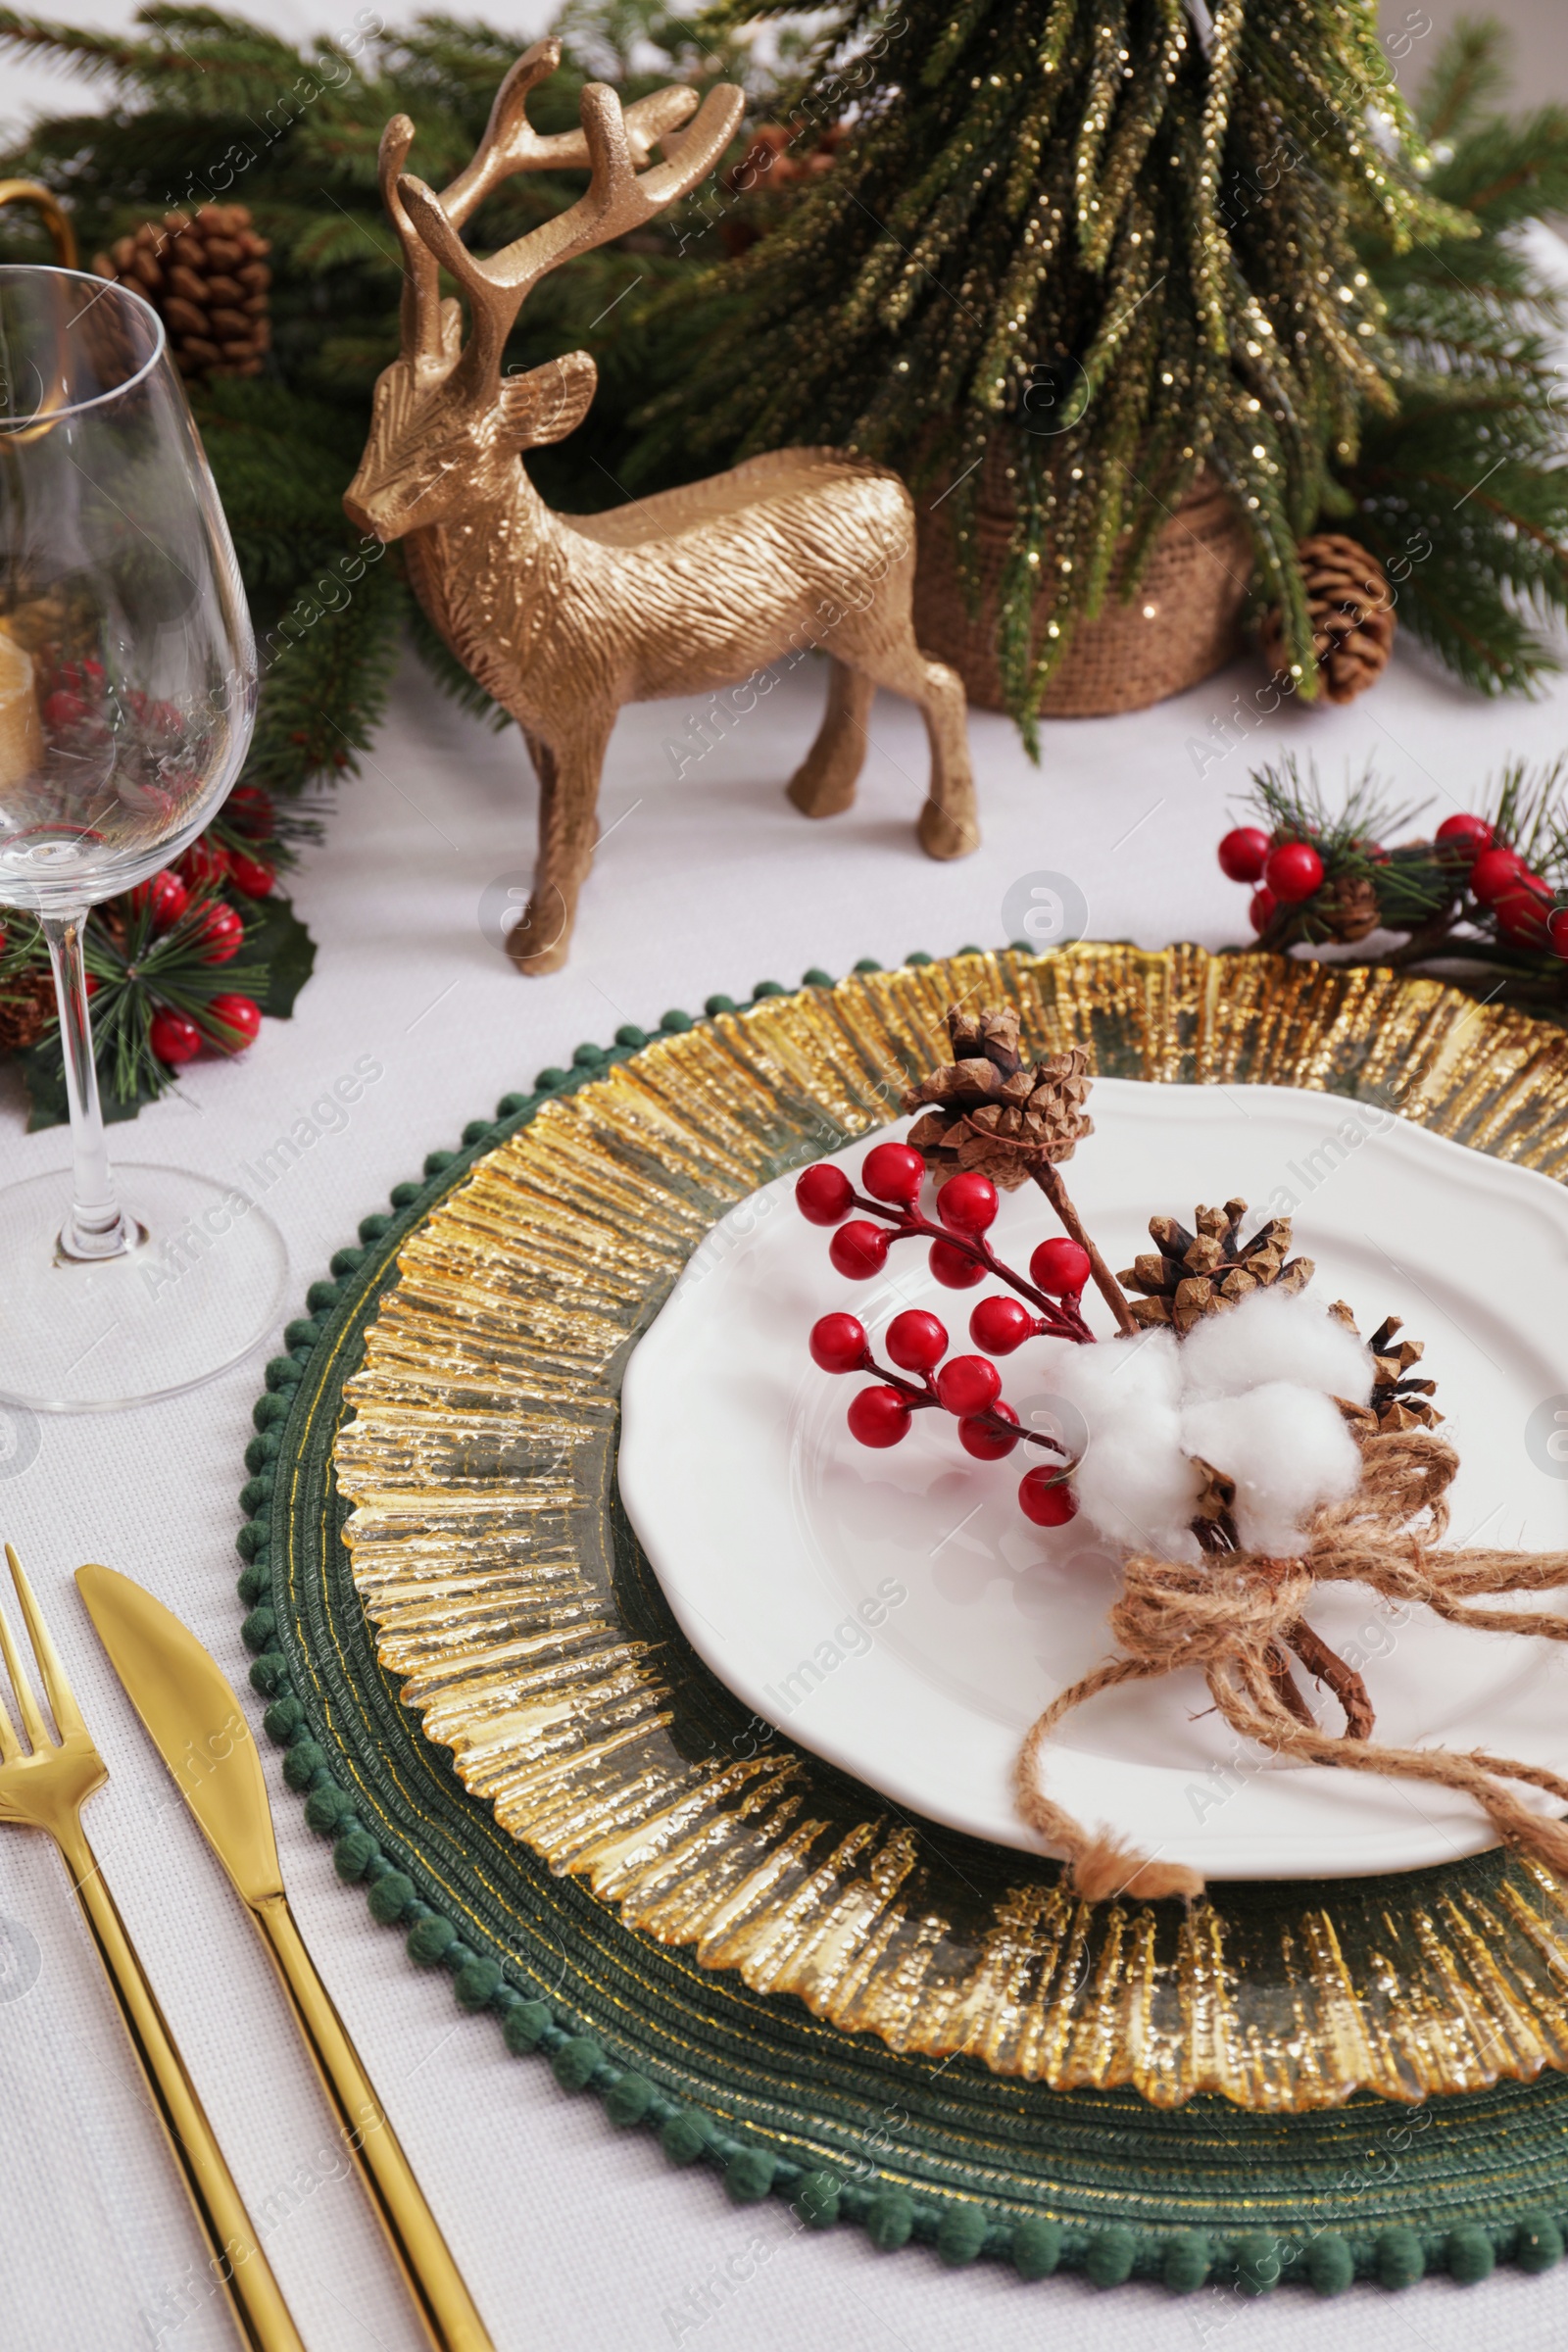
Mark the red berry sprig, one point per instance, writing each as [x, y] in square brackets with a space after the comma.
[969, 1387]
[960, 1255]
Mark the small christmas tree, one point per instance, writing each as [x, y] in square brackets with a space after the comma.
[1116, 237]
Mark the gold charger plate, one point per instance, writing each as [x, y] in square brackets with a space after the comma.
[513, 1608]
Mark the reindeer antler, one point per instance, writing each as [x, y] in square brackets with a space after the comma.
[620, 195]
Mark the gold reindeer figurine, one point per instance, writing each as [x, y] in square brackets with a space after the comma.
[564, 618]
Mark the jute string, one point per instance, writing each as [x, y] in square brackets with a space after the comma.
[1231, 1616]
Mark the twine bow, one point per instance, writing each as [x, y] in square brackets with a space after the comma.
[1232, 1616]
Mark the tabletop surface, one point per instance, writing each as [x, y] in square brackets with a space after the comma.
[571, 2233]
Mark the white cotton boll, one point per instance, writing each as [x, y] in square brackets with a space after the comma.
[1288, 1450]
[1135, 1485]
[1115, 1378]
[1273, 1335]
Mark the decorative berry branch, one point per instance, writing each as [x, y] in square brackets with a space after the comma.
[1489, 889]
[970, 1387]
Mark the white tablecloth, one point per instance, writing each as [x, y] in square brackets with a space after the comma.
[571, 2233]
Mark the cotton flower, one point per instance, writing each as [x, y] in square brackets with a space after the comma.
[1288, 1450]
[1250, 1391]
[1276, 1336]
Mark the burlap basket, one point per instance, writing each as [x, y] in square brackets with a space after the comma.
[1182, 623]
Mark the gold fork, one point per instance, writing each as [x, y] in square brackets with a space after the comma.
[43, 1787]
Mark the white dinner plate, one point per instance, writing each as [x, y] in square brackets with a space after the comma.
[896, 1612]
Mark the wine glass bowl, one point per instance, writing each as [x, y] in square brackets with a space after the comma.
[128, 698]
[127, 671]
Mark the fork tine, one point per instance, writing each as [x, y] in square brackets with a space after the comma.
[63, 1706]
[27, 1707]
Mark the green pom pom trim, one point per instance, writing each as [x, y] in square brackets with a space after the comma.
[1257, 2264]
[960, 2235]
[1329, 2264]
[1400, 2258]
[890, 2220]
[476, 1981]
[353, 1854]
[524, 2027]
[816, 2200]
[1538, 2243]
[1185, 2264]
[1111, 2254]
[578, 2060]
[749, 2177]
[629, 2100]
[1035, 2247]
[685, 2137]
[428, 1940]
[1471, 2255]
[390, 1898]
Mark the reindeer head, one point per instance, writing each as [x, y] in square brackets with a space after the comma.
[446, 427]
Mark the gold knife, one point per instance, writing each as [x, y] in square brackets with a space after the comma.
[198, 1727]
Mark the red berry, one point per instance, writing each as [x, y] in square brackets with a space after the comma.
[1060, 1268]
[233, 1022]
[1261, 913]
[174, 1038]
[986, 1444]
[1522, 914]
[166, 896]
[917, 1342]
[893, 1173]
[823, 1194]
[1293, 871]
[1557, 930]
[205, 862]
[967, 1204]
[879, 1417]
[249, 874]
[221, 932]
[1243, 854]
[91, 985]
[838, 1343]
[1493, 872]
[999, 1325]
[249, 810]
[858, 1248]
[62, 709]
[1467, 834]
[955, 1269]
[968, 1384]
[1045, 1497]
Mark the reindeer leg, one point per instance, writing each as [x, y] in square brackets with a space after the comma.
[568, 826]
[950, 825]
[823, 785]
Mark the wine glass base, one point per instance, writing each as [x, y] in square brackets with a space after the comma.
[198, 1294]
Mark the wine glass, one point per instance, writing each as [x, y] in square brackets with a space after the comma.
[127, 696]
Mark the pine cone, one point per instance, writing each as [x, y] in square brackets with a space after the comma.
[983, 1111]
[1201, 1273]
[1352, 607]
[205, 276]
[1348, 906]
[1397, 1402]
[26, 1008]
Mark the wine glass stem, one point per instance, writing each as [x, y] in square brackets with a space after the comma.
[95, 1227]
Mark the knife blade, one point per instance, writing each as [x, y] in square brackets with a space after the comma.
[196, 1723]
[198, 1727]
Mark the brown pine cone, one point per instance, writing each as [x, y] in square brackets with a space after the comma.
[1399, 1400]
[26, 1008]
[1191, 1275]
[985, 1110]
[1348, 906]
[1351, 606]
[205, 276]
